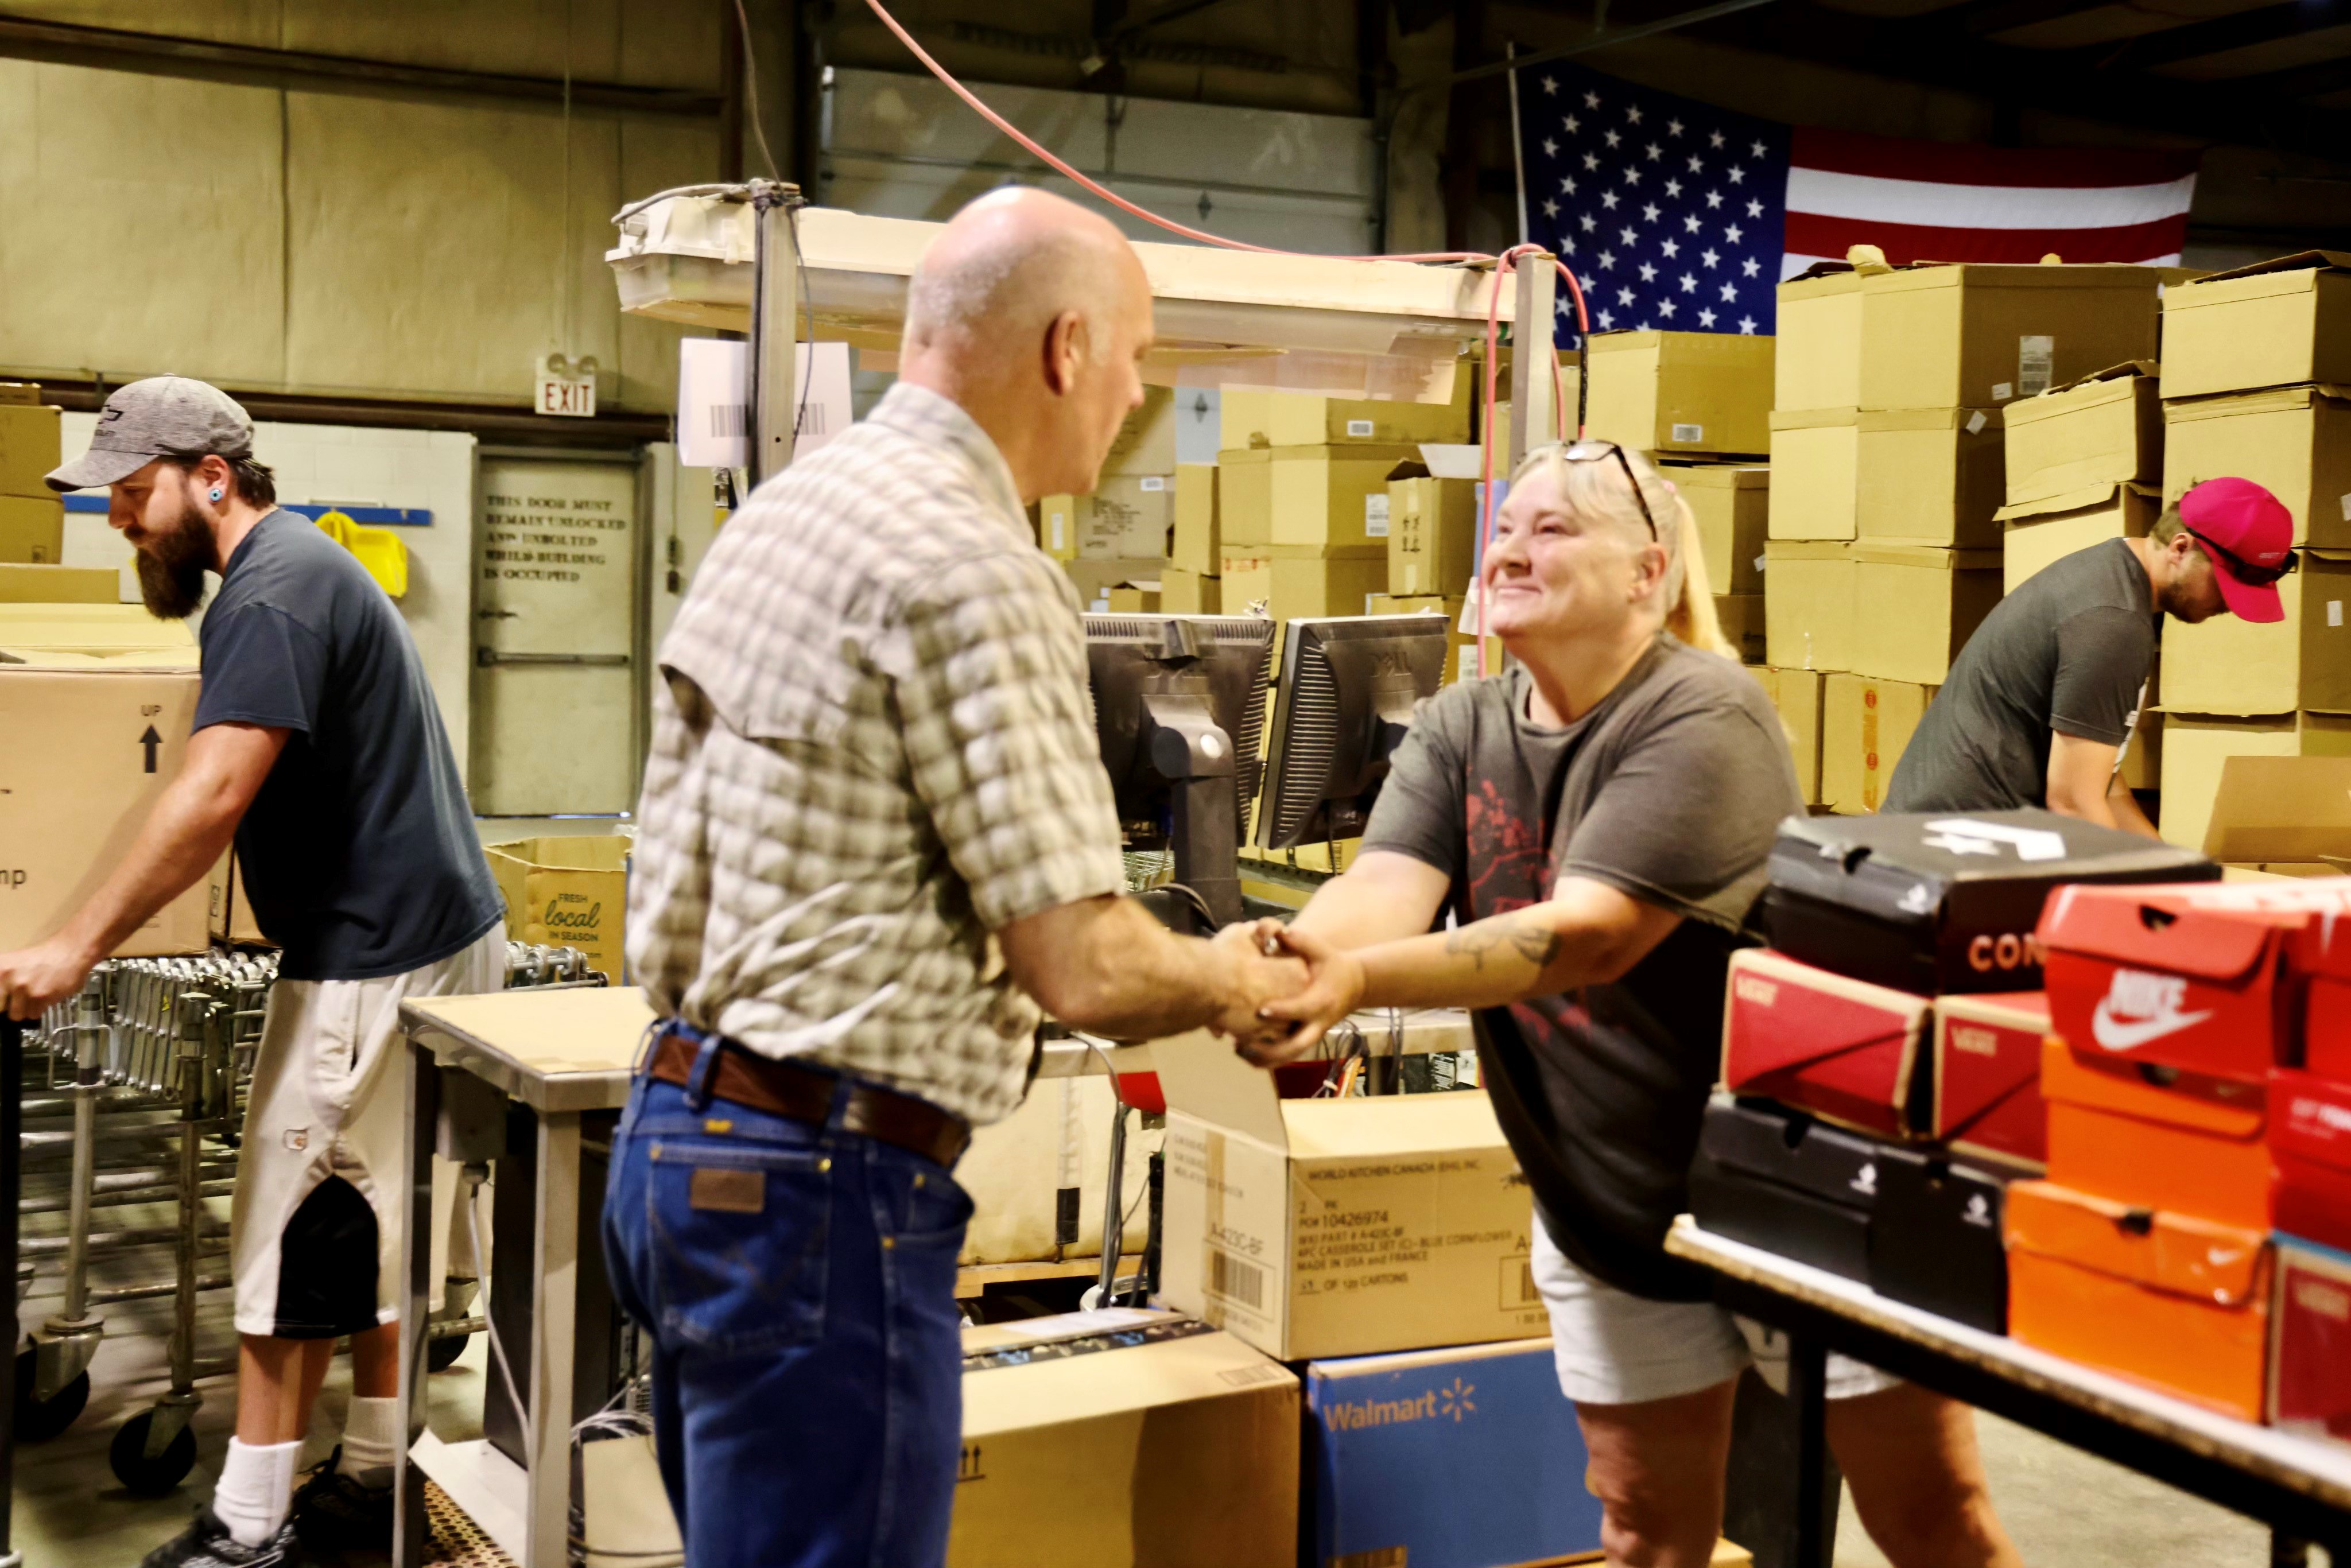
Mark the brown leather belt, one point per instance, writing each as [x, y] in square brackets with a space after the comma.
[803, 1094]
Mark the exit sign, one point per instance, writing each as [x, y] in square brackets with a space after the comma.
[567, 387]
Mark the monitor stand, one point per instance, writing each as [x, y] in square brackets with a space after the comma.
[1195, 756]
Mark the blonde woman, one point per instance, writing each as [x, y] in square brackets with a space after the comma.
[1597, 821]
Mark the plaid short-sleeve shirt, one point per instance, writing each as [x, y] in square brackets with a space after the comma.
[872, 747]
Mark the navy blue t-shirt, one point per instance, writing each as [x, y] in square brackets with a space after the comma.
[358, 854]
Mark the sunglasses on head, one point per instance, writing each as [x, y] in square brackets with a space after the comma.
[2243, 571]
[1600, 452]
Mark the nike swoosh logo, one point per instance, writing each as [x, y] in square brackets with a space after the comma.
[2114, 1034]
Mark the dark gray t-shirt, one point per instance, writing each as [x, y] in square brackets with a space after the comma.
[1670, 790]
[359, 851]
[2070, 650]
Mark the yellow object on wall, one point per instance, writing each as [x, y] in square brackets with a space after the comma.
[379, 549]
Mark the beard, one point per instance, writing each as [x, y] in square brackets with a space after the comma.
[172, 562]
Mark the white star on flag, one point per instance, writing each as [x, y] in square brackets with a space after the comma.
[1551, 84]
[1649, 212]
[1729, 293]
[1551, 208]
[1706, 319]
[1633, 113]
[1749, 268]
[1673, 128]
[1649, 273]
[1550, 147]
[1592, 100]
[1715, 140]
[1672, 248]
[1689, 284]
[1747, 323]
[1666, 309]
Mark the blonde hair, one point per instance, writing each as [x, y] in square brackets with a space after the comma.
[1597, 489]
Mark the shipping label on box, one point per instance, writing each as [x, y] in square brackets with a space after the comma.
[1930, 477]
[1681, 392]
[2038, 534]
[29, 449]
[1128, 518]
[1808, 604]
[1818, 361]
[1198, 544]
[1056, 526]
[567, 891]
[2101, 432]
[1916, 607]
[1815, 471]
[2275, 323]
[1731, 505]
[1340, 1227]
[1866, 724]
[2295, 442]
[1979, 336]
[2226, 665]
[95, 749]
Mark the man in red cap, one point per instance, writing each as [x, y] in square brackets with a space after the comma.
[2042, 702]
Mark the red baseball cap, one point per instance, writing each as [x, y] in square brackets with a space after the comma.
[2248, 534]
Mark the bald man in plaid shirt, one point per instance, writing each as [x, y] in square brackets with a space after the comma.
[875, 836]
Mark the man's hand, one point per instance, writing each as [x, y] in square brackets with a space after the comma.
[1257, 972]
[1334, 988]
[33, 980]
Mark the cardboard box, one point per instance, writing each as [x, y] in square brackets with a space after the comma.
[1741, 617]
[1126, 1438]
[1780, 1180]
[2038, 534]
[1796, 695]
[1818, 365]
[2226, 665]
[1935, 1237]
[1145, 442]
[567, 891]
[2273, 323]
[2295, 442]
[1731, 503]
[1432, 532]
[1866, 723]
[2193, 1143]
[1988, 1075]
[1332, 498]
[1680, 392]
[2310, 1139]
[2197, 748]
[1314, 1227]
[1135, 598]
[1249, 583]
[1304, 582]
[1244, 498]
[1094, 579]
[21, 583]
[229, 908]
[2291, 813]
[2178, 1304]
[1808, 604]
[32, 529]
[1815, 468]
[30, 447]
[1128, 518]
[1183, 592]
[1840, 1047]
[1267, 416]
[104, 631]
[1942, 904]
[2141, 763]
[1915, 607]
[94, 747]
[1198, 541]
[1979, 335]
[1930, 477]
[2102, 430]
[1448, 1459]
[2310, 1351]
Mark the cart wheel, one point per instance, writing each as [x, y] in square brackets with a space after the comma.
[441, 1355]
[39, 1420]
[150, 1477]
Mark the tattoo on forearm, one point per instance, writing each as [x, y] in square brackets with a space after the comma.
[1531, 940]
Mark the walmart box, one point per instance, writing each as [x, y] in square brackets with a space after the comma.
[1465, 1458]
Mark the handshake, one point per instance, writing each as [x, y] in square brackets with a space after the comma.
[1282, 988]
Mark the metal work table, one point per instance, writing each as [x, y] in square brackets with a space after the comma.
[564, 1053]
[2300, 1487]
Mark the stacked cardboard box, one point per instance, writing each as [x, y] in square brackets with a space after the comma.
[32, 515]
[1120, 534]
[2251, 385]
[2084, 462]
[1704, 393]
[1730, 502]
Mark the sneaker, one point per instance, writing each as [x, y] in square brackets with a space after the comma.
[207, 1543]
[333, 1512]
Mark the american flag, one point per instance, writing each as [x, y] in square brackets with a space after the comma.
[1680, 216]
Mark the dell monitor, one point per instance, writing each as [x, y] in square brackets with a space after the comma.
[1344, 700]
[1179, 703]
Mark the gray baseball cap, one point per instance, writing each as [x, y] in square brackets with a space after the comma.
[163, 416]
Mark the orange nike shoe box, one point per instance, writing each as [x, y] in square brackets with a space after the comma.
[1988, 1075]
[2179, 1304]
[2310, 1139]
[2191, 976]
[1844, 1049]
[2192, 1143]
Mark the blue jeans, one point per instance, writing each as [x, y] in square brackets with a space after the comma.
[797, 1283]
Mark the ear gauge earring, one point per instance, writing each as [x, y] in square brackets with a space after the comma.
[216, 495]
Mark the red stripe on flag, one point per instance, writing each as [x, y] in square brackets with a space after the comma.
[1962, 164]
[1811, 235]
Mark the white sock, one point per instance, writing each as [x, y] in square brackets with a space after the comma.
[257, 1490]
[371, 1440]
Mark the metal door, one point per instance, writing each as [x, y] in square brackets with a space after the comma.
[557, 586]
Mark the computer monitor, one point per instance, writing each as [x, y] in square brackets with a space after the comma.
[1343, 705]
[1179, 703]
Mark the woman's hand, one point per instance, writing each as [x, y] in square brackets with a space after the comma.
[1334, 988]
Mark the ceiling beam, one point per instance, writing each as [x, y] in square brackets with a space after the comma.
[1980, 19]
[2286, 19]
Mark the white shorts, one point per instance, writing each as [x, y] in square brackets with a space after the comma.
[316, 1223]
[1612, 1347]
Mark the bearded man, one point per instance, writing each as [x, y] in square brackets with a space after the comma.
[318, 747]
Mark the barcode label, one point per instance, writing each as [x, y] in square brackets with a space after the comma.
[1235, 1281]
[1155, 483]
[2036, 362]
[1375, 517]
[1519, 1283]
[1245, 1376]
[811, 419]
[729, 419]
[1689, 432]
[1361, 429]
